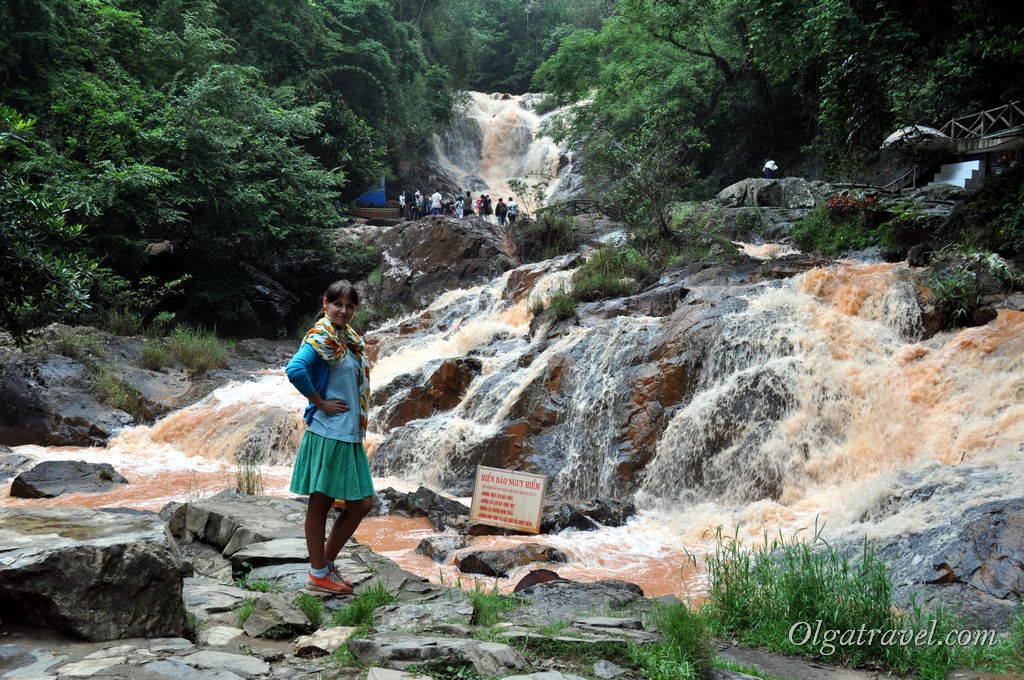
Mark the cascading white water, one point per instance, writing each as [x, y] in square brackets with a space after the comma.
[811, 401]
[496, 138]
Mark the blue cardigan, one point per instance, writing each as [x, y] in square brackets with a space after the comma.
[308, 372]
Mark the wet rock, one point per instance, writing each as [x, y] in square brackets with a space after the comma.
[323, 642]
[204, 597]
[12, 463]
[435, 254]
[557, 601]
[55, 477]
[401, 650]
[418, 617]
[20, 662]
[500, 562]
[585, 515]
[536, 576]
[242, 664]
[442, 390]
[231, 521]
[48, 400]
[177, 669]
[276, 616]
[127, 573]
[976, 561]
[442, 512]
[440, 548]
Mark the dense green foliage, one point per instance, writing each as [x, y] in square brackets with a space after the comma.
[40, 274]
[738, 81]
[227, 129]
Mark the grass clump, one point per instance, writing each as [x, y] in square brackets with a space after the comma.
[312, 607]
[775, 595]
[260, 585]
[561, 305]
[547, 236]
[115, 392]
[371, 315]
[246, 609]
[249, 478]
[956, 294]
[612, 272]
[154, 357]
[489, 606]
[360, 612]
[197, 350]
[687, 644]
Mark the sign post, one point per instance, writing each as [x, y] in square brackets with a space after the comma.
[511, 500]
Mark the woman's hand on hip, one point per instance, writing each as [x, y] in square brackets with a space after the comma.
[331, 407]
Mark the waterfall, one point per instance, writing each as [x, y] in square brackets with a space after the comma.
[495, 138]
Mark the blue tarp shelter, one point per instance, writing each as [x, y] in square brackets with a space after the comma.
[374, 195]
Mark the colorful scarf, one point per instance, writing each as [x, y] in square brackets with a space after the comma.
[327, 342]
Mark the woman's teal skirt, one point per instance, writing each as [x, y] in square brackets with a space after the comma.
[336, 469]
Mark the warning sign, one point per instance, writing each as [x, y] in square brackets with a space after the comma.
[512, 500]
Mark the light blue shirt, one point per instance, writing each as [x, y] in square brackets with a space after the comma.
[342, 383]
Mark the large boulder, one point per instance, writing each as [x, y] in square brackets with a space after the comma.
[435, 254]
[789, 193]
[55, 477]
[47, 399]
[94, 574]
[500, 562]
[442, 512]
[230, 521]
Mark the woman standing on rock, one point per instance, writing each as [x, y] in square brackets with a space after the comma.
[332, 372]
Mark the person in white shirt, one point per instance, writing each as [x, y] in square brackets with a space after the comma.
[513, 210]
[435, 203]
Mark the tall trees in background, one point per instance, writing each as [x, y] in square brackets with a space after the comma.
[227, 127]
[759, 78]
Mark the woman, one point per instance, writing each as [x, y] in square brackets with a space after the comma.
[330, 369]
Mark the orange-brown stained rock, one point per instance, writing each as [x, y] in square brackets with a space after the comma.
[443, 391]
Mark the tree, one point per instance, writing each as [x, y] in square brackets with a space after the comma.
[41, 279]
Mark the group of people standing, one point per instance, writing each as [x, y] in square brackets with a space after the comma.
[415, 205]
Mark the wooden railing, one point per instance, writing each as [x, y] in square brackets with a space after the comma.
[978, 125]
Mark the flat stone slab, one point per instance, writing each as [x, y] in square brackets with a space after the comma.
[90, 667]
[608, 622]
[392, 674]
[241, 664]
[557, 601]
[323, 642]
[401, 650]
[205, 596]
[276, 551]
[176, 669]
[28, 663]
[219, 636]
[545, 675]
[417, 617]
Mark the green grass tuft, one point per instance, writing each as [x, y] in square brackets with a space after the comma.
[360, 612]
[312, 607]
[198, 351]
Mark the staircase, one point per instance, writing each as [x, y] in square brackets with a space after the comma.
[960, 174]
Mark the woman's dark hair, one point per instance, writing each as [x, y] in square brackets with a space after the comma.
[340, 289]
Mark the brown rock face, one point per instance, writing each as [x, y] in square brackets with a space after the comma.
[435, 254]
[442, 391]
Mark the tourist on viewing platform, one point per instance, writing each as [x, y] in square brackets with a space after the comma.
[332, 371]
[435, 203]
[459, 208]
[410, 204]
[500, 211]
[467, 205]
[770, 170]
[485, 209]
[421, 205]
[401, 205]
[513, 210]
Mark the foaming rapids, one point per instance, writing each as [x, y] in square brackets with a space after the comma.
[816, 403]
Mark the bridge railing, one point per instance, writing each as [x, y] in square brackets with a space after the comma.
[979, 125]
